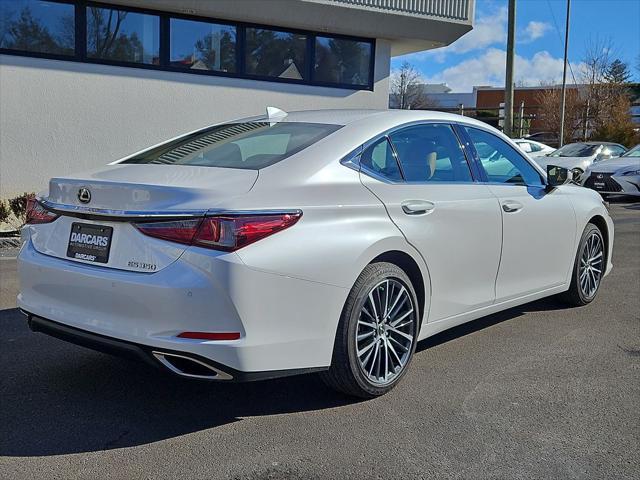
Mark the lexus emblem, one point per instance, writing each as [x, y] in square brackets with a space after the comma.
[599, 176]
[84, 195]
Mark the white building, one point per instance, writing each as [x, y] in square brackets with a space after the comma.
[83, 83]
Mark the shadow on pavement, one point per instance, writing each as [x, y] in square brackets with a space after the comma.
[59, 398]
[543, 305]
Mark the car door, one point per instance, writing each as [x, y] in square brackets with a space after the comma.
[538, 227]
[422, 176]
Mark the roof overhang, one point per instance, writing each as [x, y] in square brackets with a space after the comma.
[409, 26]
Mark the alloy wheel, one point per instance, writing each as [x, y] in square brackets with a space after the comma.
[385, 332]
[591, 265]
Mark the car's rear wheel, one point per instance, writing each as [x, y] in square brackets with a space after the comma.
[377, 333]
[588, 268]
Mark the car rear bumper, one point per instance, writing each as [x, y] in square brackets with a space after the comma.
[284, 323]
[148, 355]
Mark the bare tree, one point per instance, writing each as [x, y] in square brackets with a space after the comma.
[406, 87]
[606, 95]
[549, 112]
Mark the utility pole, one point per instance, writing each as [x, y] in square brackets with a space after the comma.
[564, 76]
[508, 83]
[521, 120]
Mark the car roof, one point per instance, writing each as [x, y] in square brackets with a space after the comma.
[352, 116]
[600, 143]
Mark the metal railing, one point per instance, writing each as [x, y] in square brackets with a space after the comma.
[452, 9]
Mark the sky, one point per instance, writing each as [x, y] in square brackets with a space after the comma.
[478, 58]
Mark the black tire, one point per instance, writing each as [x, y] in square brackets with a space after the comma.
[345, 373]
[576, 295]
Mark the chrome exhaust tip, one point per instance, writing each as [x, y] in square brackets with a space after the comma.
[186, 366]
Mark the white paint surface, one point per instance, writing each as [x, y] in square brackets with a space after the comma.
[60, 117]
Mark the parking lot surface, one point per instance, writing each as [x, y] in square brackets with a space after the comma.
[539, 391]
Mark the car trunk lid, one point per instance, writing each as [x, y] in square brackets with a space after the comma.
[98, 227]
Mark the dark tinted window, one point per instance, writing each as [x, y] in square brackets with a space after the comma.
[431, 153]
[35, 26]
[379, 159]
[202, 45]
[122, 36]
[249, 145]
[342, 61]
[273, 53]
[501, 162]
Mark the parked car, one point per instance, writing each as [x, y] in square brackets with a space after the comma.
[577, 157]
[548, 138]
[533, 148]
[616, 176]
[326, 241]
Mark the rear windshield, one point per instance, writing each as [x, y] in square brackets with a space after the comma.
[248, 145]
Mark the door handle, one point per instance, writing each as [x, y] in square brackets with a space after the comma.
[417, 207]
[511, 206]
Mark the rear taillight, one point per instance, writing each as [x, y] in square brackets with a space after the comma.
[37, 214]
[180, 231]
[220, 232]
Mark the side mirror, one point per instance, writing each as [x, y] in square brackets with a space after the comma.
[557, 176]
[602, 156]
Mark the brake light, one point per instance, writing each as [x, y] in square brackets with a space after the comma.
[37, 214]
[221, 232]
[179, 231]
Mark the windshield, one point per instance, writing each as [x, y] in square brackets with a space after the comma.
[634, 152]
[576, 150]
[247, 145]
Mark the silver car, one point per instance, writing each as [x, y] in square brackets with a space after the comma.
[577, 157]
[617, 176]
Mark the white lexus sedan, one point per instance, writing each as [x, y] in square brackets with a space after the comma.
[532, 148]
[577, 157]
[327, 241]
[619, 176]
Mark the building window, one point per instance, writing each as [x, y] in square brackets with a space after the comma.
[87, 31]
[37, 26]
[123, 36]
[202, 45]
[342, 61]
[272, 53]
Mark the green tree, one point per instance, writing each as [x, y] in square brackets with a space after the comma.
[223, 58]
[26, 33]
[271, 53]
[617, 72]
[342, 61]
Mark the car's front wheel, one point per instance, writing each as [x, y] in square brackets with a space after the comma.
[588, 268]
[377, 333]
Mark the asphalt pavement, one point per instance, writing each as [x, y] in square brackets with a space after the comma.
[538, 391]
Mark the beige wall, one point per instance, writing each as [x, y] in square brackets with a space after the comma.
[59, 117]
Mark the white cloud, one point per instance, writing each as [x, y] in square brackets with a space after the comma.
[489, 69]
[489, 29]
[533, 31]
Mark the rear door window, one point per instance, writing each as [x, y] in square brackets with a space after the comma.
[378, 158]
[247, 145]
[431, 153]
